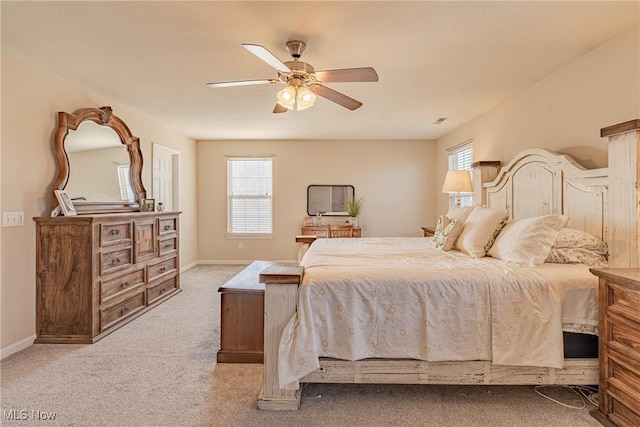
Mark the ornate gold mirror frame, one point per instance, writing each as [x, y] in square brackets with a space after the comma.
[101, 116]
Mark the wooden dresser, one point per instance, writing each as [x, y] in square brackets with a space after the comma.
[322, 231]
[95, 273]
[619, 328]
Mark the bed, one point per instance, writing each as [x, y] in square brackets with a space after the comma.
[442, 317]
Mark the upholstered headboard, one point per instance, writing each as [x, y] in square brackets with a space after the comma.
[539, 182]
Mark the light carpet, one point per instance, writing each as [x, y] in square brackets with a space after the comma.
[160, 370]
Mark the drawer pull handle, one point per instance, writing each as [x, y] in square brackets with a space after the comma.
[123, 311]
[115, 261]
[125, 285]
[162, 291]
[114, 232]
[163, 269]
[168, 245]
[167, 227]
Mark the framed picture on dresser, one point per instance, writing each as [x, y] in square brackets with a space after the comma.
[66, 205]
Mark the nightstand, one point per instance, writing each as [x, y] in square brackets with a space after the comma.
[428, 231]
[619, 346]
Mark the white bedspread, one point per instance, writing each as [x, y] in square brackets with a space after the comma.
[402, 298]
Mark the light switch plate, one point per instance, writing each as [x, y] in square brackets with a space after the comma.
[12, 219]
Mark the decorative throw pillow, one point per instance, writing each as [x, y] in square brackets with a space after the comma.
[569, 238]
[527, 241]
[447, 231]
[480, 229]
[577, 256]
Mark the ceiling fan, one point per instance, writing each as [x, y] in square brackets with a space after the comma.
[303, 82]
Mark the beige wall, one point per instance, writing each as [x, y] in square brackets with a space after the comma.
[30, 100]
[394, 178]
[563, 112]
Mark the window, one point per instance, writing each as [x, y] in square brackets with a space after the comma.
[126, 192]
[249, 196]
[460, 158]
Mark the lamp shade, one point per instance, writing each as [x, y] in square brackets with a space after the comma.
[305, 98]
[457, 181]
[287, 97]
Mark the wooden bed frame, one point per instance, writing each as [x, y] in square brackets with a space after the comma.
[535, 182]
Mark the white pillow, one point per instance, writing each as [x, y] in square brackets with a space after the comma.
[527, 241]
[461, 213]
[480, 229]
[447, 231]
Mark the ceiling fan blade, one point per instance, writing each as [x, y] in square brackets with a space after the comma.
[365, 74]
[243, 83]
[268, 57]
[280, 109]
[336, 97]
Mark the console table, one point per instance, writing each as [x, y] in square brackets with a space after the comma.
[322, 231]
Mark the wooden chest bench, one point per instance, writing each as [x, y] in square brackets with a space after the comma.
[242, 316]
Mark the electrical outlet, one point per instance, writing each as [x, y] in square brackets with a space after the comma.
[12, 219]
[240, 245]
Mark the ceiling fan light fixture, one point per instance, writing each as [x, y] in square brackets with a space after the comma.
[303, 82]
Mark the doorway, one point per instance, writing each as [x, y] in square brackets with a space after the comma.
[166, 177]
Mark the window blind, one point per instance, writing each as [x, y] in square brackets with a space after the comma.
[126, 192]
[249, 195]
[461, 158]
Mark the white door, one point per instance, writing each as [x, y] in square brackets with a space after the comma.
[165, 176]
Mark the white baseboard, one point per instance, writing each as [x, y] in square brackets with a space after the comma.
[239, 262]
[224, 262]
[188, 266]
[14, 348]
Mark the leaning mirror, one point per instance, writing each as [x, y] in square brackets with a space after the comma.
[99, 162]
[328, 200]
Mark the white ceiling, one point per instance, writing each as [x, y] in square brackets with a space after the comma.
[434, 59]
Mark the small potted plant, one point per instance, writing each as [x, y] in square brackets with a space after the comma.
[353, 206]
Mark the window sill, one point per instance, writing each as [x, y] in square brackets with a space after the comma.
[265, 236]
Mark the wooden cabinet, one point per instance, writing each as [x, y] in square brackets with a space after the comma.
[619, 335]
[242, 316]
[95, 273]
[322, 231]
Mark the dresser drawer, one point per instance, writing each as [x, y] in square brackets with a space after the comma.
[622, 416]
[623, 369]
[318, 232]
[116, 233]
[167, 225]
[121, 311]
[167, 246]
[624, 332]
[162, 288]
[110, 289]
[161, 268]
[116, 260]
[624, 298]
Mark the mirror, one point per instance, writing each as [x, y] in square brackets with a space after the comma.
[329, 200]
[99, 162]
